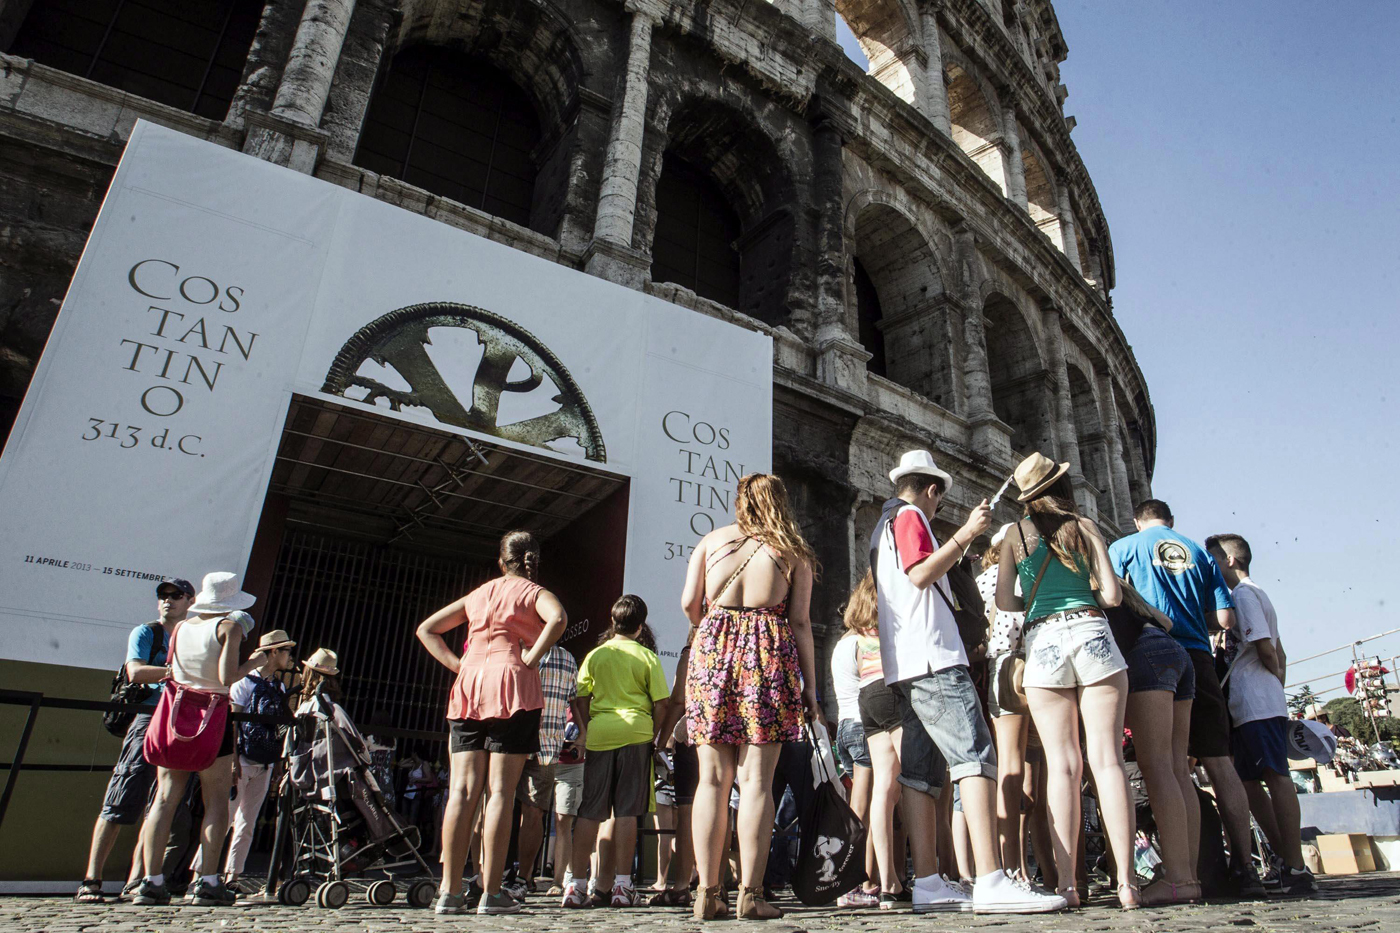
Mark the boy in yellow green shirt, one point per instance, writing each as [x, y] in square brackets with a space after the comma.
[622, 693]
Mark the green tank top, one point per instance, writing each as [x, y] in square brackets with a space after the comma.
[1061, 589]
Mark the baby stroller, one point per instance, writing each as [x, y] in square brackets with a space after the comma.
[344, 838]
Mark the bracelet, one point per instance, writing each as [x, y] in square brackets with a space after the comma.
[962, 548]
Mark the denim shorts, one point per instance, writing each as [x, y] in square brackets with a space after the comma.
[943, 729]
[1158, 662]
[851, 746]
[1071, 649]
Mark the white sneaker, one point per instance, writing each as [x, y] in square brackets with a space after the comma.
[936, 894]
[625, 896]
[999, 894]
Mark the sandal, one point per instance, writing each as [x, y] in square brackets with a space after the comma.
[669, 898]
[752, 905]
[1163, 891]
[1071, 896]
[710, 903]
[90, 892]
[1129, 897]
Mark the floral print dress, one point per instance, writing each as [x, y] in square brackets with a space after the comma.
[744, 685]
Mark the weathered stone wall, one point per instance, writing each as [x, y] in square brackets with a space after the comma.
[948, 171]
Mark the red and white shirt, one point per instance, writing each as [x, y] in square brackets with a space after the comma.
[918, 634]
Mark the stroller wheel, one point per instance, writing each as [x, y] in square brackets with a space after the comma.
[294, 893]
[381, 893]
[420, 895]
[332, 895]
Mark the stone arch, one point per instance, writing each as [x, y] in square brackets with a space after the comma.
[889, 35]
[725, 145]
[528, 40]
[913, 322]
[1042, 195]
[1022, 388]
[1089, 433]
[541, 52]
[975, 127]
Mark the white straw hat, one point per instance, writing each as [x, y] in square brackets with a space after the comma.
[921, 462]
[220, 593]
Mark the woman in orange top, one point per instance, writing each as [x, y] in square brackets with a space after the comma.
[493, 710]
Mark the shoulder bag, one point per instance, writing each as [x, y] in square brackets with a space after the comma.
[188, 725]
[124, 691]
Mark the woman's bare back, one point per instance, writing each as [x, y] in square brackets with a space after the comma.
[764, 580]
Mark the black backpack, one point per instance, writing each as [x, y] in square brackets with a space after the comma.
[124, 691]
[262, 741]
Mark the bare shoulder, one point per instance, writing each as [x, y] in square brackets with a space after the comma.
[1090, 528]
[720, 536]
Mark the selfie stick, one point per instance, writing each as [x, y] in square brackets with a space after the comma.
[997, 497]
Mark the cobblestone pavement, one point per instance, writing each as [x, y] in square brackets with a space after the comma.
[1360, 902]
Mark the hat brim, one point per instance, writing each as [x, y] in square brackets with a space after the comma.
[1044, 484]
[899, 473]
[234, 603]
[328, 671]
[275, 645]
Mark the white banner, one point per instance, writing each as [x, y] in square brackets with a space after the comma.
[214, 285]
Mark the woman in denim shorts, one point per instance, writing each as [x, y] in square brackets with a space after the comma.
[1161, 686]
[847, 659]
[1074, 669]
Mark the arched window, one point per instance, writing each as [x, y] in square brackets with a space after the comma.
[1021, 393]
[974, 127]
[455, 127]
[695, 233]
[869, 314]
[184, 53]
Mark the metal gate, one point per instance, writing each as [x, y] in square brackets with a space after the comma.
[363, 601]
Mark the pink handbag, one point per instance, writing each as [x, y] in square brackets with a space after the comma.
[187, 727]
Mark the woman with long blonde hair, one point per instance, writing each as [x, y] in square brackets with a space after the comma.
[1074, 670]
[750, 680]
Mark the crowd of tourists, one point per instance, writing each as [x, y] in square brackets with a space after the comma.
[970, 695]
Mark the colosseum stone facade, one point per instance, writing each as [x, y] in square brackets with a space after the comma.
[922, 241]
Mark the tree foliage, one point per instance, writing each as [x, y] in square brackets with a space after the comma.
[1347, 713]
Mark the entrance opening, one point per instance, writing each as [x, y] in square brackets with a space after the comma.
[372, 524]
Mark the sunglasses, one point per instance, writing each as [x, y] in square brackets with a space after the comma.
[172, 594]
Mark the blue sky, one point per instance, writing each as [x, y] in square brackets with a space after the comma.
[1247, 156]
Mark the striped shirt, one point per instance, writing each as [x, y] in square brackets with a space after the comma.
[559, 681]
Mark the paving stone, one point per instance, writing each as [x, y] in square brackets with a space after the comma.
[1361, 902]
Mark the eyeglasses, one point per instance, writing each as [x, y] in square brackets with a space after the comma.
[178, 594]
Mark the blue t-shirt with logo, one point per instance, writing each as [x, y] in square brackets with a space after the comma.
[138, 648]
[1176, 575]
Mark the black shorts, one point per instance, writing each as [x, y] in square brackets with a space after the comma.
[617, 782]
[685, 773]
[518, 735]
[1210, 716]
[132, 778]
[879, 711]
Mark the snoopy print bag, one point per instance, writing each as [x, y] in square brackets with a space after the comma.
[831, 854]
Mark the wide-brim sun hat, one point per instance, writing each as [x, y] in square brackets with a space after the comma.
[221, 593]
[324, 661]
[277, 638]
[921, 462]
[1035, 474]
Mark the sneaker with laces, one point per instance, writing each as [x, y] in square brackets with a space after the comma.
[472, 891]
[1297, 881]
[148, 894]
[1246, 882]
[450, 903]
[857, 897]
[498, 903]
[574, 896]
[211, 894]
[936, 894]
[625, 896]
[997, 893]
[516, 888]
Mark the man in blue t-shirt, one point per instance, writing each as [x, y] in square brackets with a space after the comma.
[1176, 575]
[130, 784]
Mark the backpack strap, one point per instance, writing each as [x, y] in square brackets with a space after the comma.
[157, 638]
